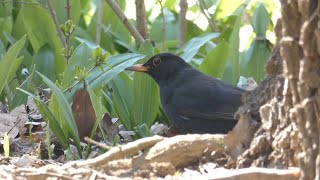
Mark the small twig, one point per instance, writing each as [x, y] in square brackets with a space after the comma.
[67, 38]
[102, 145]
[163, 24]
[68, 9]
[134, 32]
[211, 22]
[182, 21]
[99, 22]
[141, 18]
[56, 23]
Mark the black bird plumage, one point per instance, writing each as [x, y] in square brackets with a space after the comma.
[193, 101]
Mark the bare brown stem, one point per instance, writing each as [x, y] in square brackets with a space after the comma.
[203, 9]
[99, 22]
[163, 24]
[133, 31]
[141, 18]
[68, 9]
[182, 21]
[56, 24]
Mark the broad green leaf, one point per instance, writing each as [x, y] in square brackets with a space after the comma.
[66, 111]
[11, 84]
[145, 92]
[260, 21]
[41, 31]
[49, 118]
[44, 63]
[171, 27]
[215, 62]
[122, 98]
[99, 110]
[234, 44]
[143, 130]
[254, 60]
[97, 78]
[54, 107]
[53, 123]
[8, 61]
[6, 21]
[225, 8]
[190, 49]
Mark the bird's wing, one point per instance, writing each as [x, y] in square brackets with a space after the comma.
[210, 102]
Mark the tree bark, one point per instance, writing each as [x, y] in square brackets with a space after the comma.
[291, 116]
[141, 18]
[182, 21]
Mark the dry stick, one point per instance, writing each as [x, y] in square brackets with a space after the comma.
[210, 21]
[141, 18]
[102, 145]
[56, 24]
[121, 151]
[99, 22]
[134, 32]
[182, 21]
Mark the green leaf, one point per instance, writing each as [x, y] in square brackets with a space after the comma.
[122, 98]
[99, 109]
[8, 61]
[44, 63]
[225, 8]
[191, 48]
[143, 130]
[66, 111]
[20, 97]
[41, 31]
[234, 44]
[50, 119]
[81, 58]
[53, 123]
[215, 62]
[145, 92]
[254, 60]
[260, 21]
[97, 79]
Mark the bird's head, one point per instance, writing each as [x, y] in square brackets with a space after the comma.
[161, 66]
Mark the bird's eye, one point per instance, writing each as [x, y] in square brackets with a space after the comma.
[156, 61]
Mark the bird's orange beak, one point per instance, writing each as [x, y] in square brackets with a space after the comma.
[138, 68]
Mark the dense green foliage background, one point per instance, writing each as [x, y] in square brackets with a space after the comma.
[29, 38]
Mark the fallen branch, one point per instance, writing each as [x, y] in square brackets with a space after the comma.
[121, 152]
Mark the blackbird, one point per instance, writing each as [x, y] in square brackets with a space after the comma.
[193, 101]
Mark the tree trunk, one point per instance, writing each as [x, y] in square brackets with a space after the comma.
[290, 102]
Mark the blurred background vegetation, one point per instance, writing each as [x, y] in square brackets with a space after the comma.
[224, 39]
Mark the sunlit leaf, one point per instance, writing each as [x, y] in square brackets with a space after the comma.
[66, 111]
[7, 62]
[214, 63]
[190, 49]
[145, 92]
